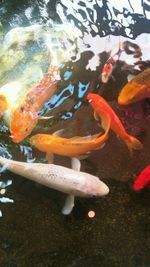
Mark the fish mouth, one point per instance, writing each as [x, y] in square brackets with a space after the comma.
[103, 189]
[17, 139]
[122, 102]
[89, 98]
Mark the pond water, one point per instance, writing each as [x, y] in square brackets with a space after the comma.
[78, 37]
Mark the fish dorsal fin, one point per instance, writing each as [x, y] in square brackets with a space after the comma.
[130, 77]
[84, 156]
[69, 204]
[75, 164]
[100, 147]
[84, 138]
[105, 122]
[58, 132]
[44, 117]
[74, 138]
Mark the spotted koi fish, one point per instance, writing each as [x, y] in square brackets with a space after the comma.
[25, 116]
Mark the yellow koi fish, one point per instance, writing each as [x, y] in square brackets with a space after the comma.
[136, 89]
[71, 147]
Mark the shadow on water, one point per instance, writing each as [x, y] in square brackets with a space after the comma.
[33, 232]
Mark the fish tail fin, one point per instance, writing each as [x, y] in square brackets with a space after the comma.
[133, 143]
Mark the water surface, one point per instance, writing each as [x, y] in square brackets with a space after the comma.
[33, 232]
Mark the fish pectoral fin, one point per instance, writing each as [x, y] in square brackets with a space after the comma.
[118, 136]
[75, 164]
[68, 206]
[100, 147]
[105, 123]
[130, 77]
[84, 156]
[45, 117]
[50, 158]
[4, 168]
[113, 78]
[58, 132]
[96, 117]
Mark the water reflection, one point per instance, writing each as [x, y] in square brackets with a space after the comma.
[3, 191]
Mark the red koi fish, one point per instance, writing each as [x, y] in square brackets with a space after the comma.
[25, 116]
[101, 109]
[142, 180]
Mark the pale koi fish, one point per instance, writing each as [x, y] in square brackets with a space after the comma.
[72, 182]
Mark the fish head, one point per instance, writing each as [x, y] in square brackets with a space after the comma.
[92, 187]
[38, 140]
[131, 93]
[96, 101]
[100, 107]
[21, 124]
[93, 98]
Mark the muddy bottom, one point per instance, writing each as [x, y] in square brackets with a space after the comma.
[33, 232]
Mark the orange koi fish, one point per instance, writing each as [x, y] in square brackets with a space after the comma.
[101, 109]
[136, 89]
[71, 147]
[142, 180]
[25, 116]
[3, 105]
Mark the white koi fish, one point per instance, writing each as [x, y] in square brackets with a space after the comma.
[69, 181]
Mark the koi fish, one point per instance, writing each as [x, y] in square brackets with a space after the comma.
[101, 109]
[3, 105]
[109, 66]
[72, 182]
[11, 95]
[136, 89]
[142, 180]
[71, 147]
[108, 69]
[25, 116]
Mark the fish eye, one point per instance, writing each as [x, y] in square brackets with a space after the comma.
[93, 195]
[132, 97]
